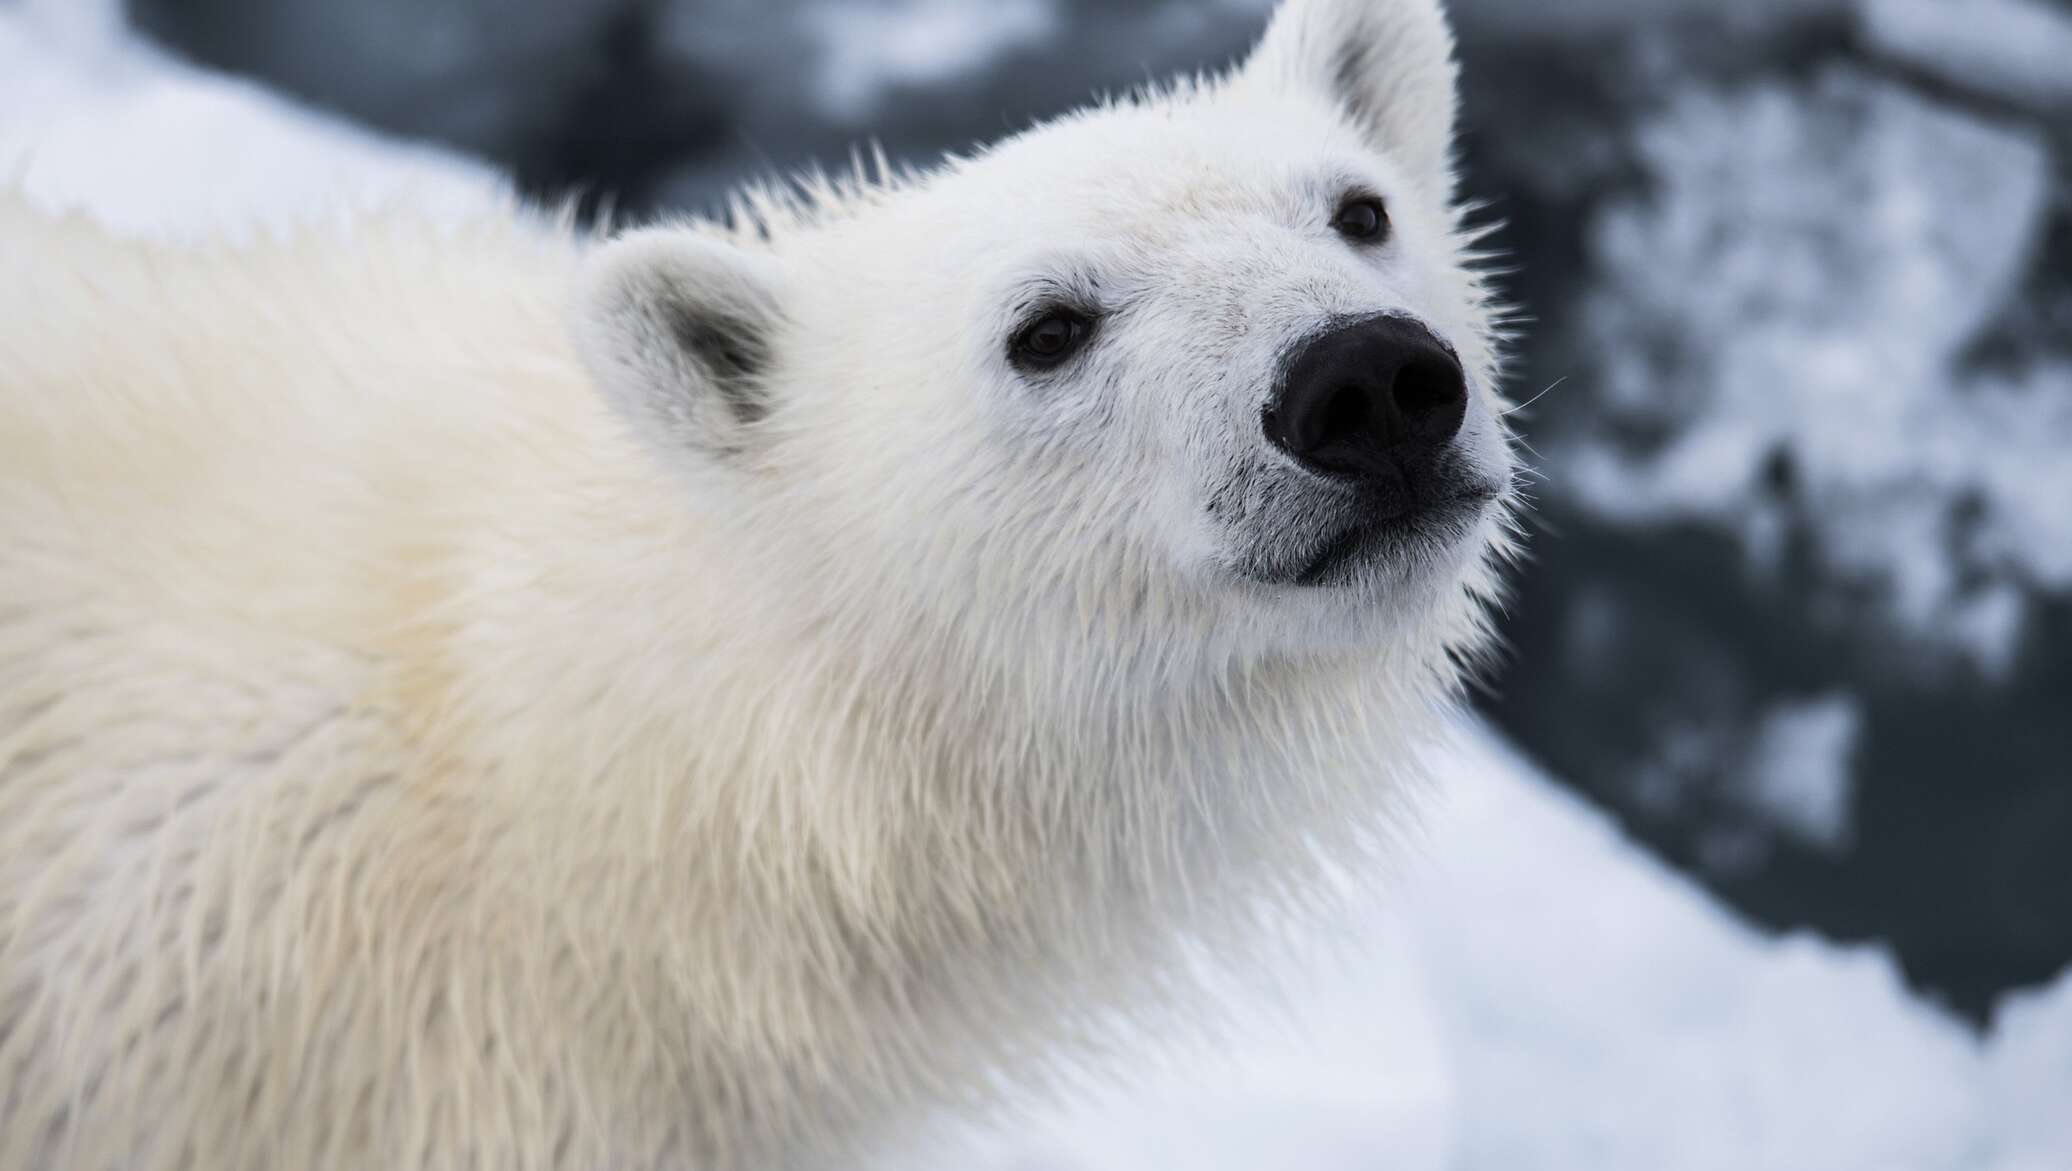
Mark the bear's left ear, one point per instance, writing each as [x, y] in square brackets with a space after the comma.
[1387, 63]
[677, 328]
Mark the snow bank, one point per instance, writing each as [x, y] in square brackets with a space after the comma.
[92, 119]
[1535, 994]
[1540, 994]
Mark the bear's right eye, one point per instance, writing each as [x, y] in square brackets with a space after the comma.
[1362, 219]
[1050, 339]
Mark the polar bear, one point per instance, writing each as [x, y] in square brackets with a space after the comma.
[488, 696]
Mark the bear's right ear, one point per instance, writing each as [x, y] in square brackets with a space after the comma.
[677, 329]
[1387, 64]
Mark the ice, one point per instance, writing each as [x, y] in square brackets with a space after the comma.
[867, 49]
[1798, 770]
[1853, 239]
[2018, 51]
[1534, 991]
[1599, 19]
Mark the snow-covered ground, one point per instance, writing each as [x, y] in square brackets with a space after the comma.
[90, 118]
[1532, 992]
[1536, 993]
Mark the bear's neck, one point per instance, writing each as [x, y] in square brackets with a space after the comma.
[908, 841]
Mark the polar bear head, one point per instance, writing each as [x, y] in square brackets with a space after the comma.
[1203, 370]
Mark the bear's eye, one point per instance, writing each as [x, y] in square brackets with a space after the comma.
[1050, 339]
[1362, 218]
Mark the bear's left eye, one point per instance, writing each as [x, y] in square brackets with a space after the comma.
[1362, 218]
[1050, 339]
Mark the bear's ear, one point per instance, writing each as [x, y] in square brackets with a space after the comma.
[677, 328]
[1387, 63]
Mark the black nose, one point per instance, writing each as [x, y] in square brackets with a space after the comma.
[1369, 400]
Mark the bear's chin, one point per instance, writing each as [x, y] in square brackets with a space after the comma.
[1394, 580]
[1384, 546]
[1361, 548]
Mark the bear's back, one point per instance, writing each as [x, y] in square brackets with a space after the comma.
[234, 429]
[230, 479]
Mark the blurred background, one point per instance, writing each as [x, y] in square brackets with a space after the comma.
[1799, 277]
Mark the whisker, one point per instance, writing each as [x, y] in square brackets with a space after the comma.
[1535, 398]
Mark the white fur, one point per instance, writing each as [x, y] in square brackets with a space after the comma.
[416, 754]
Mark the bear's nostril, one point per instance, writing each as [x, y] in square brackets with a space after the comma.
[1430, 394]
[1345, 418]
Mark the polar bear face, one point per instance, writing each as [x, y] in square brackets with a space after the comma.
[1214, 356]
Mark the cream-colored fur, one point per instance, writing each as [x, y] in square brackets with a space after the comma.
[426, 743]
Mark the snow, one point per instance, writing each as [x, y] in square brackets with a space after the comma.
[867, 49]
[95, 120]
[1597, 20]
[1856, 238]
[2027, 1076]
[2013, 50]
[1797, 770]
[1532, 991]
[1539, 994]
